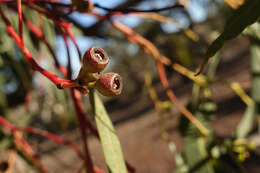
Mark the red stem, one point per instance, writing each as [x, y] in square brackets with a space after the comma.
[66, 27]
[54, 78]
[83, 121]
[27, 148]
[69, 67]
[38, 33]
[61, 83]
[20, 142]
[79, 109]
[20, 21]
[174, 100]
[52, 137]
[83, 127]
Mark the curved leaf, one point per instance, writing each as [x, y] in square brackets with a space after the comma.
[246, 15]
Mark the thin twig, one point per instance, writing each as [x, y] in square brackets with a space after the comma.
[129, 10]
[22, 144]
[175, 101]
[151, 49]
[59, 82]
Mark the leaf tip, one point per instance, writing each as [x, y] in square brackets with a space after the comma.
[201, 68]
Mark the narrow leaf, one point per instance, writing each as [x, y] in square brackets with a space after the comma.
[254, 34]
[245, 124]
[109, 140]
[244, 16]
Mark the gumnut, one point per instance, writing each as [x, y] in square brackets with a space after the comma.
[95, 60]
[109, 84]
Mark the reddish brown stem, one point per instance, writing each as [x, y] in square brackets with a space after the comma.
[66, 27]
[61, 83]
[27, 148]
[129, 10]
[79, 112]
[20, 21]
[52, 137]
[82, 119]
[54, 78]
[21, 143]
[175, 101]
[38, 33]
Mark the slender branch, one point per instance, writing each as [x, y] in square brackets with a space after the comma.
[175, 101]
[79, 109]
[20, 20]
[22, 144]
[82, 123]
[27, 148]
[151, 49]
[59, 82]
[66, 27]
[82, 115]
[52, 137]
[121, 10]
[130, 10]
[38, 33]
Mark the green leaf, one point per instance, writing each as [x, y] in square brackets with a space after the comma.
[49, 31]
[254, 34]
[196, 154]
[196, 147]
[181, 166]
[246, 123]
[246, 15]
[109, 140]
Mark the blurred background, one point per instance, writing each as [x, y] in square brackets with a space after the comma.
[28, 98]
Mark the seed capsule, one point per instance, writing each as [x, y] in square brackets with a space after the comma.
[95, 60]
[109, 84]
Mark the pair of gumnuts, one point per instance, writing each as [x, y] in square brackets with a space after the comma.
[93, 63]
